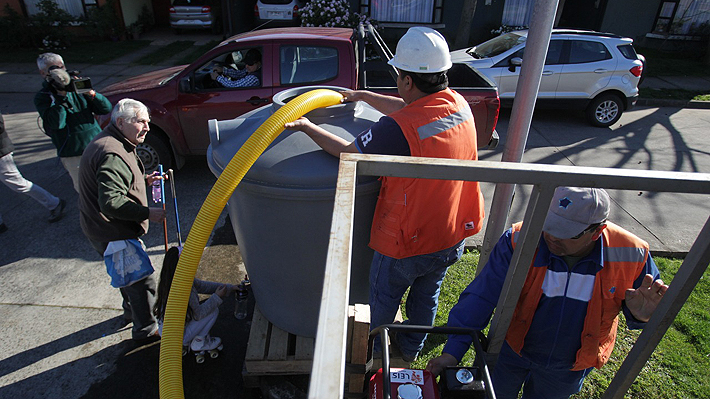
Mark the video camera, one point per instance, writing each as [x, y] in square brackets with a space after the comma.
[68, 80]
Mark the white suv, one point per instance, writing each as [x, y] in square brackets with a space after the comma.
[597, 72]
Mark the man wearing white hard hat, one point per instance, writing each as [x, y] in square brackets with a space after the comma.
[420, 224]
[585, 271]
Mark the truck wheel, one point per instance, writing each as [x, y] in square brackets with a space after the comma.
[153, 152]
[605, 110]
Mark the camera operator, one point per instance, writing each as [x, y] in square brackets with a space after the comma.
[67, 116]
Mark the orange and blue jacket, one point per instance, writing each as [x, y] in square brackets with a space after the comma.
[566, 318]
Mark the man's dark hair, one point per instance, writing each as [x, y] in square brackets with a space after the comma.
[252, 57]
[428, 82]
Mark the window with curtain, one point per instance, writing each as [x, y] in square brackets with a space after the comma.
[691, 17]
[407, 11]
[73, 7]
[517, 12]
[683, 17]
[665, 14]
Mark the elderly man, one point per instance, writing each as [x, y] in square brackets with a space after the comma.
[585, 271]
[113, 203]
[419, 225]
[67, 117]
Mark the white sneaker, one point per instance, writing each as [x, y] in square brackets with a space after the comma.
[205, 343]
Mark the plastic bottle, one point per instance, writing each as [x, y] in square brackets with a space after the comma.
[157, 194]
[240, 310]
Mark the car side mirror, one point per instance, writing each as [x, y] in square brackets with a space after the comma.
[515, 62]
[185, 85]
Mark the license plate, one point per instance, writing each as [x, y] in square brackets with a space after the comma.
[275, 14]
[404, 376]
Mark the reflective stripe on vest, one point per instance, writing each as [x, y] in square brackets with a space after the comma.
[624, 257]
[441, 125]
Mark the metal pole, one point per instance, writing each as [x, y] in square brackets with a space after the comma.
[171, 177]
[162, 200]
[523, 255]
[541, 21]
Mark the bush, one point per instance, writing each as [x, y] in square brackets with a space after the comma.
[101, 22]
[145, 19]
[48, 26]
[505, 29]
[332, 13]
[14, 31]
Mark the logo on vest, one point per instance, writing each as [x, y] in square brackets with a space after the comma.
[366, 138]
[470, 225]
[612, 290]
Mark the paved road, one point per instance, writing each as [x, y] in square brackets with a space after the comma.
[62, 333]
[647, 138]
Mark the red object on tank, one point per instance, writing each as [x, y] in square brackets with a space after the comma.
[407, 379]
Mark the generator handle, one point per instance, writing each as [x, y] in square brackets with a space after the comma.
[476, 337]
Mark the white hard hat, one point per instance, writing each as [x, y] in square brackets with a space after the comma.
[422, 50]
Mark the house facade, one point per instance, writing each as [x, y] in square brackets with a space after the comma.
[639, 19]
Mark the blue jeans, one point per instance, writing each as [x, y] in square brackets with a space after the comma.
[513, 371]
[389, 280]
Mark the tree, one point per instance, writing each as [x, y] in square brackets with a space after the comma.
[463, 33]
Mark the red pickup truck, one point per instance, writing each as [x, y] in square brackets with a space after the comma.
[183, 98]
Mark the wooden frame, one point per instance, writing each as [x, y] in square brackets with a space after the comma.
[328, 371]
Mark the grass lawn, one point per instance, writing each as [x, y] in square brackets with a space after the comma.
[165, 52]
[679, 367]
[674, 94]
[664, 63]
[82, 52]
[196, 52]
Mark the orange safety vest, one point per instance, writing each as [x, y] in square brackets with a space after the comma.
[422, 216]
[624, 257]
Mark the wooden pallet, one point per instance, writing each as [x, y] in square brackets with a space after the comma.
[356, 351]
[273, 351]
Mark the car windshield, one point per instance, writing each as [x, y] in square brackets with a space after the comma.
[497, 45]
[166, 80]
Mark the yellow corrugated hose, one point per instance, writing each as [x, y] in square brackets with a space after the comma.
[170, 372]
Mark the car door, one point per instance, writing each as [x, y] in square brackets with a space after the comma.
[587, 71]
[509, 74]
[206, 100]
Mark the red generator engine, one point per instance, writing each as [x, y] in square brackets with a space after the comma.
[405, 384]
[455, 382]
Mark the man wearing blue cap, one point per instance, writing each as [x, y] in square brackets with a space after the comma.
[585, 271]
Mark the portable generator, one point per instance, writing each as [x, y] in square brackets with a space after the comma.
[455, 382]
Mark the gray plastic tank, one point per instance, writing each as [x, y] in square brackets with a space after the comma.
[281, 211]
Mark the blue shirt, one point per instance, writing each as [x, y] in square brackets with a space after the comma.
[384, 137]
[555, 333]
[238, 78]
